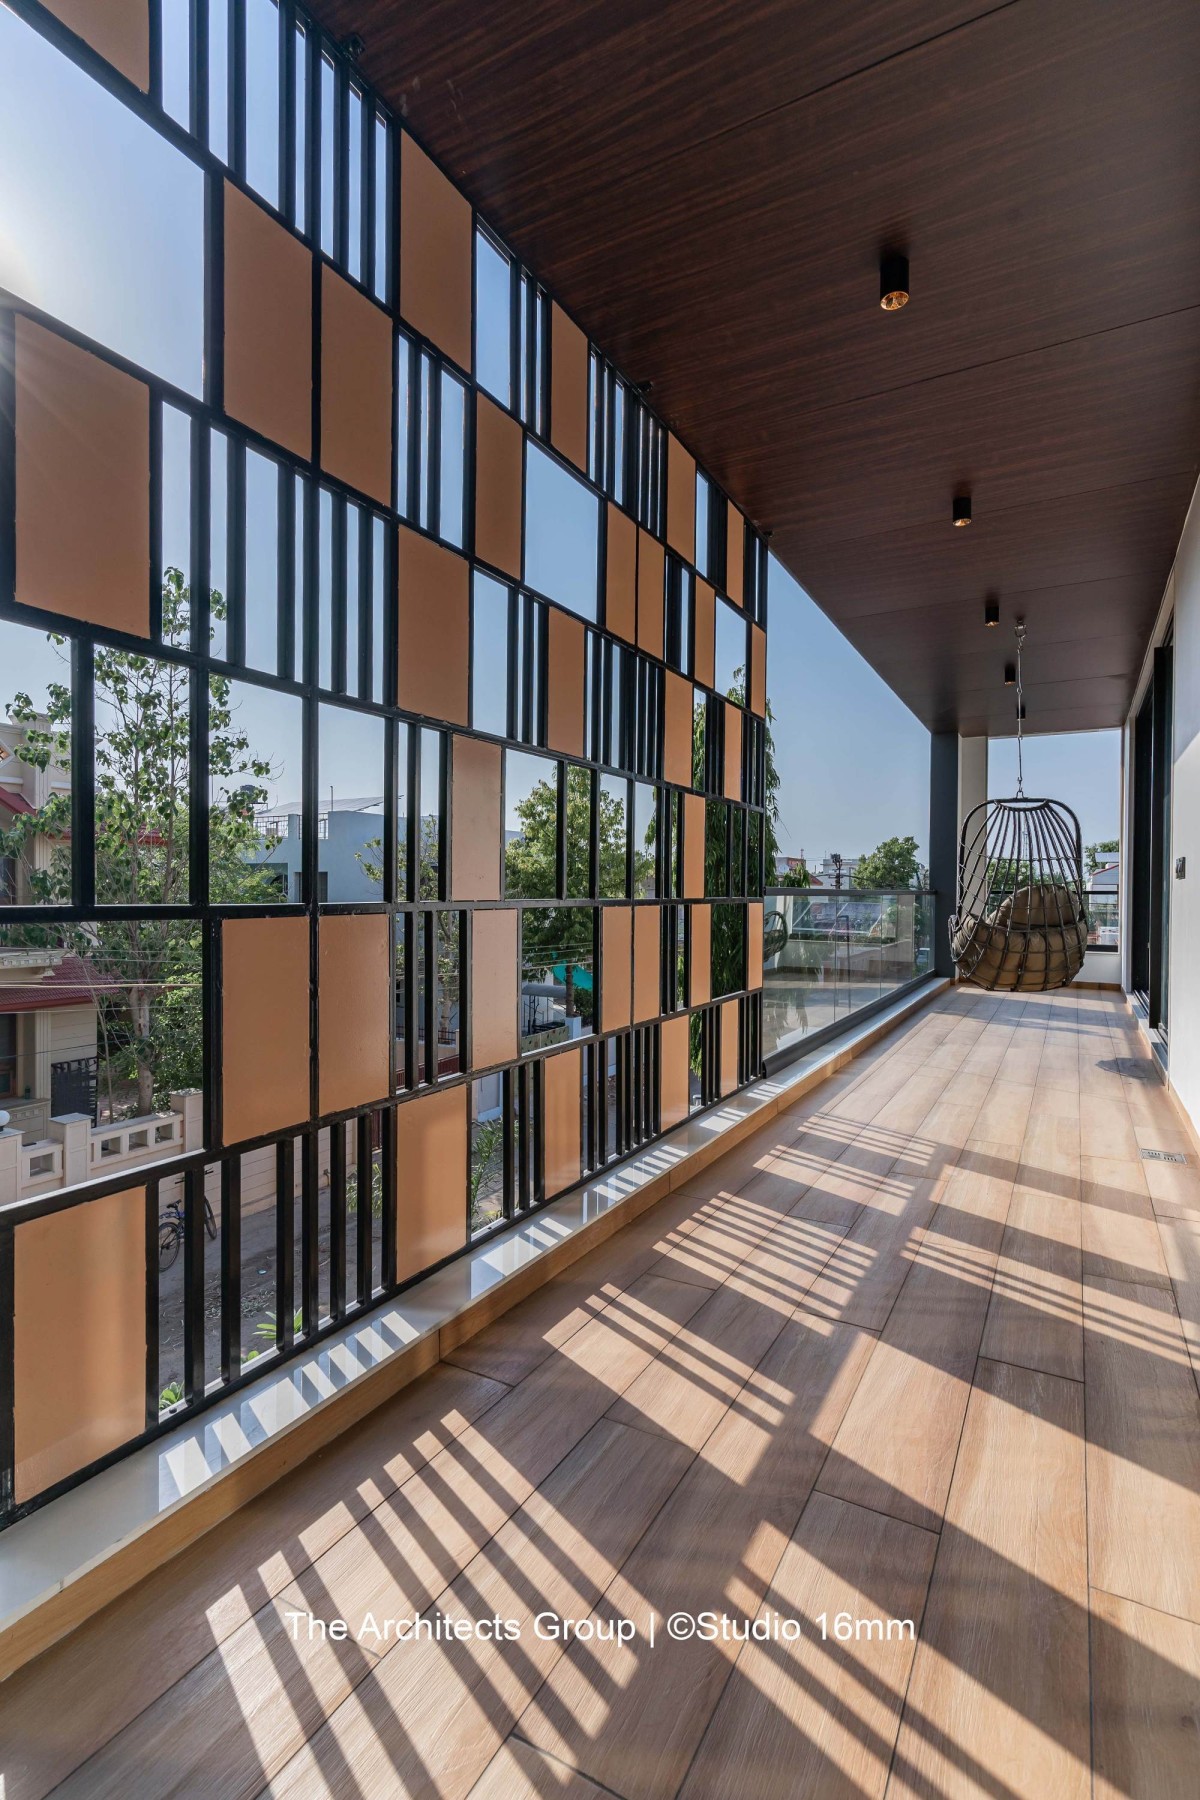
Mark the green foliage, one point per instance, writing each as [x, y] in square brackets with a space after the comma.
[147, 972]
[487, 1149]
[798, 877]
[892, 864]
[1096, 855]
[171, 1395]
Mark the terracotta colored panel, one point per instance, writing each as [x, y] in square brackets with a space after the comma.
[681, 499]
[357, 357]
[700, 965]
[493, 986]
[562, 1077]
[268, 325]
[758, 670]
[677, 731]
[499, 486]
[735, 555]
[568, 388]
[754, 944]
[435, 254]
[475, 822]
[264, 1026]
[83, 484]
[647, 963]
[733, 751]
[729, 1046]
[79, 1336]
[564, 684]
[616, 972]
[705, 658]
[652, 565]
[674, 1057]
[693, 847]
[431, 1179]
[118, 29]
[620, 581]
[353, 1009]
[434, 589]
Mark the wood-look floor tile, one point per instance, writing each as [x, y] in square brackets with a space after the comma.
[519, 1772]
[434, 1712]
[633, 1721]
[812, 1717]
[1143, 1449]
[1120, 1236]
[1146, 1684]
[866, 1271]
[1179, 1236]
[59, 1710]
[998, 1700]
[1036, 1312]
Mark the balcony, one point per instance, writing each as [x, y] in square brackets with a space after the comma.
[908, 1354]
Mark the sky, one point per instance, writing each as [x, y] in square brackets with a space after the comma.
[90, 187]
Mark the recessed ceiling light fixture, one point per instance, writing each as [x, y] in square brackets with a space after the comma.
[1010, 674]
[962, 509]
[991, 611]
[893, 281]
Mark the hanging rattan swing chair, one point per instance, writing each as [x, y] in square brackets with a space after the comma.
[1021, 920]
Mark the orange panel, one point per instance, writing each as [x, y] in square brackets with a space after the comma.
[616, 968]
[83, 484]
[568, 388]
[434, 592]
[564, 684]
[674, 1068]
[758, 670]
[79, 1336]
[754, 944]
[268, 325]
[475, 824]
[652, 564]
[735, 555]
[353, 1009]
[562, 1078]
[357, 357]
[431, 1179]
[693, 846]
[647, 963]
[681, 499]
[677, 731]
[118, 29]
[706, 634]
[733, 751]
[499, 481]
[264, 1026]
[729, 1046]
[620, 580]
[700, 956]
[493, 986]
[435, 254]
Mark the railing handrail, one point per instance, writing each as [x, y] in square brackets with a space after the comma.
[844, 893]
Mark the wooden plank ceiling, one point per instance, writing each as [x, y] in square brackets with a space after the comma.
[707, 185]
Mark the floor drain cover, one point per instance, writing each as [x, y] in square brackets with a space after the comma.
[1163, 1156]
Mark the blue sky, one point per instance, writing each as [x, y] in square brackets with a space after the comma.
[91, 190]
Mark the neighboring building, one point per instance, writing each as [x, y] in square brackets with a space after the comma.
[1107, 879]
[48, 1036]
[349, 838]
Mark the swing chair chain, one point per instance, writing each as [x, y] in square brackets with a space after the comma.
[1019, 633]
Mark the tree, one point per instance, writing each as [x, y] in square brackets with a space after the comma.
[145, 973]
[798, 876]
[892, 864]
[1099, 854]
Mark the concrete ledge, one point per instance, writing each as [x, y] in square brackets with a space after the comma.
[73, 1556]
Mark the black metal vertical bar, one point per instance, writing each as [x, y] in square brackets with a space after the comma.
[214, 291]
[337, 661]
[285, 589]
[364, 1165]
[231, 1268]
[235, 554]
[237, 88]
[429, 985]
[153, 1386]
[368, 650]
[155, 472]
[193, 1286]
[287, 111]
[285, 1243]
[310, 1241]
[198, 73]
[341, 164]
[83, 775]
[337, 1220]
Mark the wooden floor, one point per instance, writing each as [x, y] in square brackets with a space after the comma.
[926, 1349]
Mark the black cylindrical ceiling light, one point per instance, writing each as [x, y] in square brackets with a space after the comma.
[1010, 674]
[893, 281]
[991, 611]
[962, 509]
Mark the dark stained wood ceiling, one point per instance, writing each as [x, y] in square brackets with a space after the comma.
[707, 185]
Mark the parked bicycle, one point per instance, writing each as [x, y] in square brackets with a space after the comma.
[171, 1230]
